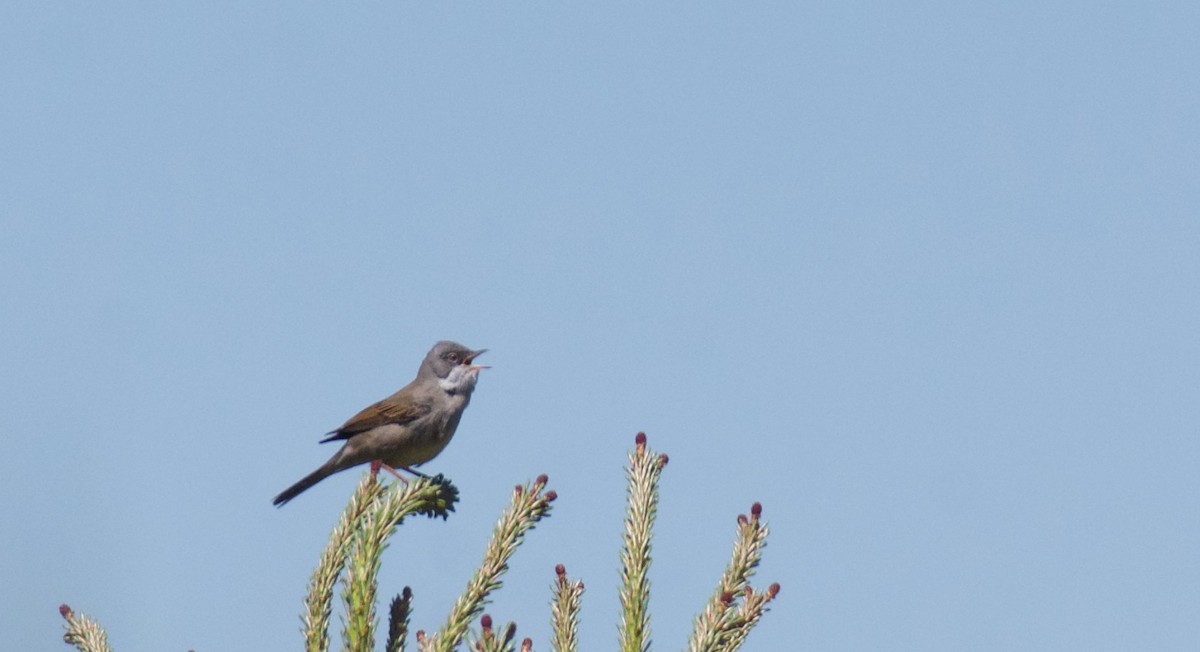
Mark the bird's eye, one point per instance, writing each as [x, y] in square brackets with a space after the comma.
[452, 356]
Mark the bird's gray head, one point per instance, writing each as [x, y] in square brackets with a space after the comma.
[445, 356]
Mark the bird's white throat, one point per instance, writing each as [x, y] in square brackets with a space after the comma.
[461, 379]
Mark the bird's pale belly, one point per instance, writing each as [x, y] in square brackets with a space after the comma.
[415, 454]
[400, 446]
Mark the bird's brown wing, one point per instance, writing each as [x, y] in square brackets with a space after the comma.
[382, 413]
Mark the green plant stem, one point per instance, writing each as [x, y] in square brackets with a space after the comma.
[529, 505]
[429, 496]
[564, 613]
[720, 619]
[643, 471]
[754, 605]
[83, 632]
[318, 604]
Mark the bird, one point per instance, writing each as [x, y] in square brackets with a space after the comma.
[409, 427]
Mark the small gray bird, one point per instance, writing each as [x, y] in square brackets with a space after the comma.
[409, 427]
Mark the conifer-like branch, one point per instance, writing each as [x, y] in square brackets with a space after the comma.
[432, 497]
[83, 632]
[491, 641]
[723, 624]
[318, 604]
[564, 612]
[356, 544]
[643, 471]
[398, 614]
[529, 505]
[754, 605]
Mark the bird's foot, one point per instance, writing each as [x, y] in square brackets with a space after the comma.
[415, 472]
[394, 471]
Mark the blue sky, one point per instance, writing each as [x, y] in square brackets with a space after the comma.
[921, 279]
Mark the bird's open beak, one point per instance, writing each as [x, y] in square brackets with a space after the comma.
[474, 354]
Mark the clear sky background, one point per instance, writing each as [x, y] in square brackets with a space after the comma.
[922, 278]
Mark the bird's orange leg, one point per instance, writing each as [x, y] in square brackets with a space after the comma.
[378, 464]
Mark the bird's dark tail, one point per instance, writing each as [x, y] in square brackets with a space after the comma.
[327, 469]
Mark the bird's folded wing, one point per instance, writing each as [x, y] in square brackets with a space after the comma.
[380, 414]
